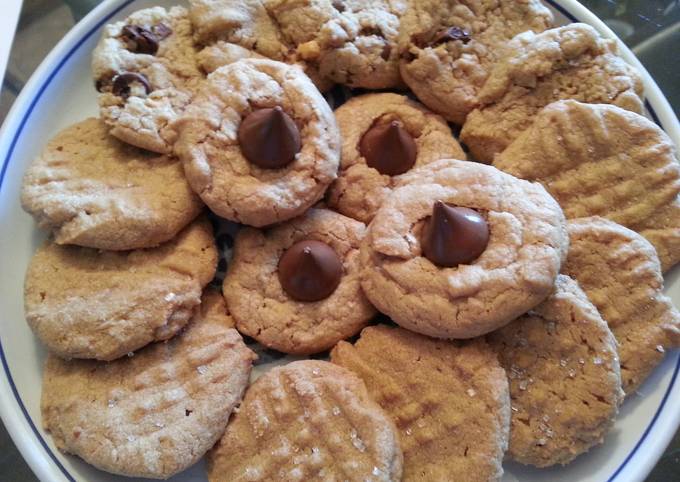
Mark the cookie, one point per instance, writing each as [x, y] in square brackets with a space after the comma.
[259, 143]
[86, 303]
[92, 190]
[307, 420]
[449, 400]
[375, 151]
[145, 70]
[603, 160]
[156, 413]
[266, 307]
[619, 271]
[504, 275]
[222, 53]
[565, 381]
[570, 62]
[346, 41]
[447, 48]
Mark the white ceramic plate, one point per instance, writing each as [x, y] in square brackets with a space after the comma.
[60, 92]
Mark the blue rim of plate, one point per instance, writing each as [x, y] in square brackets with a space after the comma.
[5, 165]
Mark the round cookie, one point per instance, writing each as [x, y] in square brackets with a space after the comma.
[598, 159]
[565, 381]
[447, 48]
[214, 159]
[360, 189]
[86, 303]
[95, 191]
[145, 70]
[449, 400]
[570, 62]
[156, 413]
[307, 420]
[526, 245]
[265, 311]
[347, 41]
[619, 271]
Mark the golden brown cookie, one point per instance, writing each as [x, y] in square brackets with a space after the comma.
[449, 400]
[146, 72]
[570, 62]
[363, 183]
[216, 149]
[86, 303]
[565, 380]
[516, 270]
[264, 310]
[448, 47]
[619, 271]
[602, 160]
[95, 191]
[308, 420]
[156, 413]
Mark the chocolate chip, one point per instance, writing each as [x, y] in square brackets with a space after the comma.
[454, 235]
[451, 34]
[310, 270]
[140, 39]
[269, 138]
[386, 51]
[161, 31]
[338, 5]
[99, 84]
[122, 83]
[389, 148]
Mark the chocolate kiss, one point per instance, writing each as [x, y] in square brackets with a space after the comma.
[389, 148]
[310, 270]
[269, 138]
[454, 235]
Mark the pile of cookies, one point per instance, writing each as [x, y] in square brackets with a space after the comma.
[489, 299]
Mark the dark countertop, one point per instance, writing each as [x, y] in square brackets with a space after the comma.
[650, 27]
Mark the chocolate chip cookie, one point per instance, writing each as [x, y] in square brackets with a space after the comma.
[145, 70]
[448, 47]
[295, 287]
[259, 143]
[93, 190]
[570, 62]
[383, 137]
[462, 249]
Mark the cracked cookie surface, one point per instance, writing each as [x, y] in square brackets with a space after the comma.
[570, 62]
[527, 243]
[449, 400]
[598, 159]
[215, 165]
[565, 380]
[360, 189]
[137, 115]
[156, 413]
[307, 420]
[96, 191]
[447, 72]
[264, 311]
[619, 271]
[85, 303]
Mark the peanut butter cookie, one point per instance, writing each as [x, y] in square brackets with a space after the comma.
[156, 413]
[307, 420]
[449, 401]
